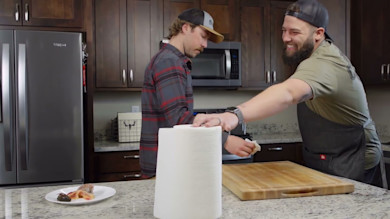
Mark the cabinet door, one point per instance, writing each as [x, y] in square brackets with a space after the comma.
[254, 43]
[144, 32]
[371, 42]
[127, 36]
[116, 166]
[338, 27]
[111, 45]
[53, 13]
[172, 8]
[279, 70]
[226, 17]
[10, 12]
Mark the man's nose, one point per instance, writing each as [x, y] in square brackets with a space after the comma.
[204, 43]
[286, 37]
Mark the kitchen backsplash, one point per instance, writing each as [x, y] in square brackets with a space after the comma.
[108, 104]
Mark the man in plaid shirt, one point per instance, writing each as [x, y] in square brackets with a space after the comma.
[167, 96]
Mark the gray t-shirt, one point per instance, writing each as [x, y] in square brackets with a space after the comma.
[338, 94]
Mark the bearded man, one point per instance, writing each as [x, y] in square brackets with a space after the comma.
[339, 136]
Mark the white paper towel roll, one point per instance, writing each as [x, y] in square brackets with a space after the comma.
[189, 173]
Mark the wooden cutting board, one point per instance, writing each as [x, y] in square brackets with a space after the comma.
[280, 179]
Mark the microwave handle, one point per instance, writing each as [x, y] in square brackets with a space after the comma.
[228, 63]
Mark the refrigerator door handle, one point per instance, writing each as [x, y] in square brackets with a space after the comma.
[22, 106]
[5, 107]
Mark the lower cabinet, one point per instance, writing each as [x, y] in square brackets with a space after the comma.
[386, 156]
[279, 152]
[117, 166]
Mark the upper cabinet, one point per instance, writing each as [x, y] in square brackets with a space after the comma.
[53, 13]
[128, 33]
[339, 23]
[370, 44]
[261, 43]
[127, 36]
[224, 12]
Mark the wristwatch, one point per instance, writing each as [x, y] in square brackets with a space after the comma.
[236, 111]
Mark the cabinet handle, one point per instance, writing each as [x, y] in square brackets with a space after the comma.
[135, 156]
[131, 76]
[276, 149]
[267, 77]
[124, 76]
[26, 16]
[388, 72]
[134, 175]
[273, 76]
[17, 11]
[383, 71]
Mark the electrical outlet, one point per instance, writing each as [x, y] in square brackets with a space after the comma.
[134, 109]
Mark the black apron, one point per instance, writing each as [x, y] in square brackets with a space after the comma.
[330, 147]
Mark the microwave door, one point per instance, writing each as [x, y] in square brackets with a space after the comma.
[208, 66]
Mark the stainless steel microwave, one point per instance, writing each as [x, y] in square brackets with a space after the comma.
[219, 65]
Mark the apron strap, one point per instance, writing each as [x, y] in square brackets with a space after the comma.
[383, 172]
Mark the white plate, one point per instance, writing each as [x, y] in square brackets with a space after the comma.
[100, 192]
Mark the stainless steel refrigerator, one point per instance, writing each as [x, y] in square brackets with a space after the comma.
[41, 118]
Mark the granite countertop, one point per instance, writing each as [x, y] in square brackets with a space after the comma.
[134, 199]
[275, 138]
[106, 146]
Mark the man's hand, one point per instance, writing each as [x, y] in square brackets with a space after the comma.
[228, 121]
[238, 146]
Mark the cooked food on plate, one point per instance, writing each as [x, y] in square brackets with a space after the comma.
[86, 187]
[63, 197]
[85, 191]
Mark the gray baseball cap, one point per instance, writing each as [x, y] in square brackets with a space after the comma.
[204, 19]
[310, 11]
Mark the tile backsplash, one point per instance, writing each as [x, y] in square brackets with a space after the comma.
[108, 104]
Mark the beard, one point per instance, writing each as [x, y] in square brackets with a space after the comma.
[300, 55]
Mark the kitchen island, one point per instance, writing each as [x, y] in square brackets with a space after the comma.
[134, 199]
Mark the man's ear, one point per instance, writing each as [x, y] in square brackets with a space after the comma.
[320, 33]
[185, 28]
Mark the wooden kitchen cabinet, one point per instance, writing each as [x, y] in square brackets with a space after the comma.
[128, 33]
[279, 152]
[261, 43]
[370, 44]
[226, 17]
[117, 166]
[53, 13]
[339, 23]
[225, 14]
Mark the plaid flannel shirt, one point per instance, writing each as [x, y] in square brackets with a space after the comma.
[167, 100]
